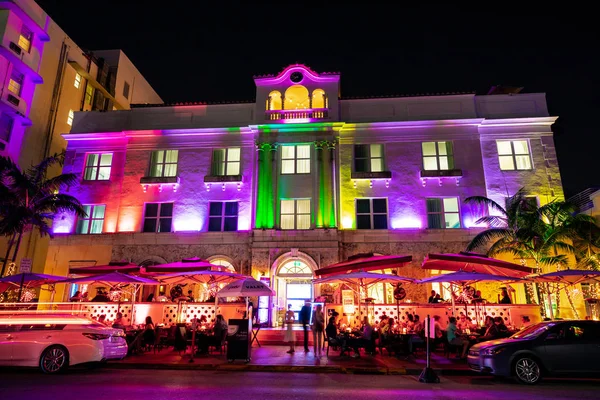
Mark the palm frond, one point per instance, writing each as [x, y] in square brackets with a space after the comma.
[487, 202]
[482, 239]
[37, 173]
[553, 260]
[494, 221]
[59, 182]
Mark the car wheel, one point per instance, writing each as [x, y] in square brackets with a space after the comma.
[54, 359]
[527, 370]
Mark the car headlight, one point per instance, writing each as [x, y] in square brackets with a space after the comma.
[492, 351]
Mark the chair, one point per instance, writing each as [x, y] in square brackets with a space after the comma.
[331, 342]
[219, 343]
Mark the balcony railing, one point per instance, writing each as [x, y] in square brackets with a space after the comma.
[313, 113]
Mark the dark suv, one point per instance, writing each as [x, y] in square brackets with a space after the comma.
[547, 348]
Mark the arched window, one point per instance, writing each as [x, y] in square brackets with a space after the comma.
[318, 99]
[295, 268]
[222, 262]
[297, 98]
[274, 101]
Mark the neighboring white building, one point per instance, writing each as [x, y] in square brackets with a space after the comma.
[47, 78]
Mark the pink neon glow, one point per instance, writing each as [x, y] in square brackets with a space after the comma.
[285, 74]
[406, 223]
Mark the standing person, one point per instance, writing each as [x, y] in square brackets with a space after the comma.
[432, 297]
[505, 297]
[289, 329]
[305, 319]
[318, 326]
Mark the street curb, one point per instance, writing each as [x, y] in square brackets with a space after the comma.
[324, 369]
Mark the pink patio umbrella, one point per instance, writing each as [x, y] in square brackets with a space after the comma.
[363, 280]
[364, 262]
[113, 266]
[471, 262]
[31, 279]
[465, 278]
[185, 265]
[205, 276]
[565, 277]
[115, 278]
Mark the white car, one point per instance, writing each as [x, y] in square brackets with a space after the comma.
[54, 342]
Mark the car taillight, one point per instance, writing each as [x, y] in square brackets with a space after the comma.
[96, 336]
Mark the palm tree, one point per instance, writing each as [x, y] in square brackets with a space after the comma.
[544, 234]
[29, 201]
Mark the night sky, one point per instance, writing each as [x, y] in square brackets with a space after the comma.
[209, 50]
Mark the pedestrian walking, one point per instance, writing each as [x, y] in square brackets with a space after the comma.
[305, 319]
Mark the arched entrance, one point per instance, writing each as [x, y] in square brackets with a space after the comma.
[292, 281]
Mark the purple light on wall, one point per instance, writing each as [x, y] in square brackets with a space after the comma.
[406, 222]
[63, 223]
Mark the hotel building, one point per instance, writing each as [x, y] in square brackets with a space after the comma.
[300, 179]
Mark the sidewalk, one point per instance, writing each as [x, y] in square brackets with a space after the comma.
[275, 359]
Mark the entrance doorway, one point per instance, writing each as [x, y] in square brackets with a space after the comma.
[293, 284]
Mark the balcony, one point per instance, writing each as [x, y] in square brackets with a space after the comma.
[292, 116]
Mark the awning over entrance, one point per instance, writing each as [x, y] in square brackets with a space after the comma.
[364, 262]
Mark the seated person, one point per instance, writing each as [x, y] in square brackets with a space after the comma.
[491, 330]
[190, 296]
[462, 322]
[366, 339]
[76, 297]
[119, 322]
[101, 297]
[505, 298]
[451, 334]
[331, 330]
[419, 329]
[525, 322]
[501, 328]
[161, 297]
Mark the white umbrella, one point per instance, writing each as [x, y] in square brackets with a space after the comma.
[248, 287]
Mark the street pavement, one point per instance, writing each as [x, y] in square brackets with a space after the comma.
[107, 383]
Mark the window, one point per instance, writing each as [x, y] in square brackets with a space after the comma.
[70, 118]
[97, 167]
[437, 156]
[93, 222]
[226, 161]
[77, 82]
[126, 90]
[368, 158]
[15, 84]
[25, 39]
[319, 99]
[163, 163]
[295, 159]
[443, 213]
[513, 154]
[6, 125]
[223, 216]
[222, 262]
[295, 214]
[371, 214]
[158, 217]
[89, 94]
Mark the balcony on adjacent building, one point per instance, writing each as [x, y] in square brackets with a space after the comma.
[300, 115]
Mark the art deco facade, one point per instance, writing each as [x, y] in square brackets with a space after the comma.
[300, 179]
